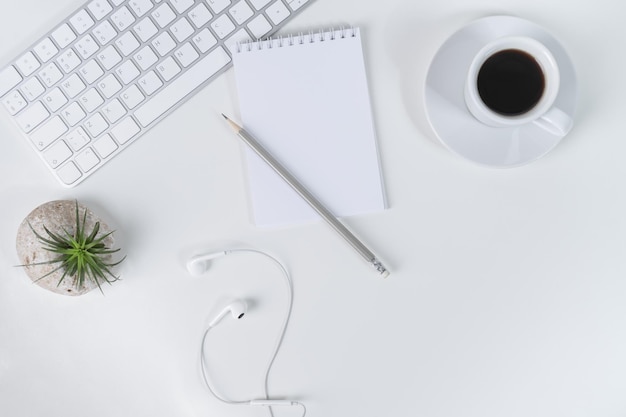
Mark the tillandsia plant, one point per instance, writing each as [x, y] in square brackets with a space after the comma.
[82, 255]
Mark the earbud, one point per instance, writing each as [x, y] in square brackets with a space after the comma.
[199, 264]
[237, 308]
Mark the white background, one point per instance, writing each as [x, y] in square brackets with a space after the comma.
[508, 288]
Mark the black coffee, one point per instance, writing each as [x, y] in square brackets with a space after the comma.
[510, 82]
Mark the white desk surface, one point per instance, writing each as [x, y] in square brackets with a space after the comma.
[508, 288]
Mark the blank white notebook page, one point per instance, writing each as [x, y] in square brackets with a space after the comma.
[306, 100]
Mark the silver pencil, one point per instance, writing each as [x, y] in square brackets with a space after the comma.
[309, 198]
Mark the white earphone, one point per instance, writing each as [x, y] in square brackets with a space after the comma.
[237, 308]
[198, 265]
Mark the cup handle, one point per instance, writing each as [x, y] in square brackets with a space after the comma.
[555, 121]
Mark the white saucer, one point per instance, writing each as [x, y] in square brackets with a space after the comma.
[452, 121]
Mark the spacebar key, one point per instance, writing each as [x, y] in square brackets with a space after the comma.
[182, 86]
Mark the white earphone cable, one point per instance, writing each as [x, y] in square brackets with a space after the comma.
[205, 377]
[279, 340]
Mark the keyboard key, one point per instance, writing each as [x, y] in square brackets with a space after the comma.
[127, 43]
[222, 26]
[132, 97]
[114, 111]
[241, 12]
[259, 26]
[145, 29]
[91, 100]
[140, 7]
[163, 43]
[277, 12]
[96, 125]
[182, 86]
[14, 102]
[240, 36]
[69, 173]
[81, 21]
[200, 15]
[77, 138]
[168, 68]
[63, 35]
[181, 5]
[68, 60]
[45, 50]
[109, 57]
[55, 99]
[150, 83]
[105, 32]
[163, 15]
[86, 46]
[9, 78]
[99, 8]
[122, 18]
[57, 154]
[218, 5]
[73, 114]
[109, 86]
[87, 159]
[105, 146]
[27, 63]
[186, 54]
[145, 58]
[127, 72]
[50, 74]
[91, 71]
[259, 4]
[73, 85]
[32, 89]
[204, 40]
[125, 130]
[32, 117]
[181, 29]
[296, 4]
[48, 133]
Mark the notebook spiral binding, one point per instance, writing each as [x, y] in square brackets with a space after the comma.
[299, 39]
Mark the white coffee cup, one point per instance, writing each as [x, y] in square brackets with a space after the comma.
[542, 113]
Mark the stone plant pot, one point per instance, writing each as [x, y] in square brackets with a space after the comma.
[58, 216]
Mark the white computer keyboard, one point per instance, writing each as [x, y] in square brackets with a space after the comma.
[114, 68]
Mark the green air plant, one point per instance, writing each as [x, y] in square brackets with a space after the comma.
[82, 255]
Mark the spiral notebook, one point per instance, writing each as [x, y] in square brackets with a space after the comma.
[305, 99]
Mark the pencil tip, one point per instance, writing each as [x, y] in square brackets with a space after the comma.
[232, 124]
